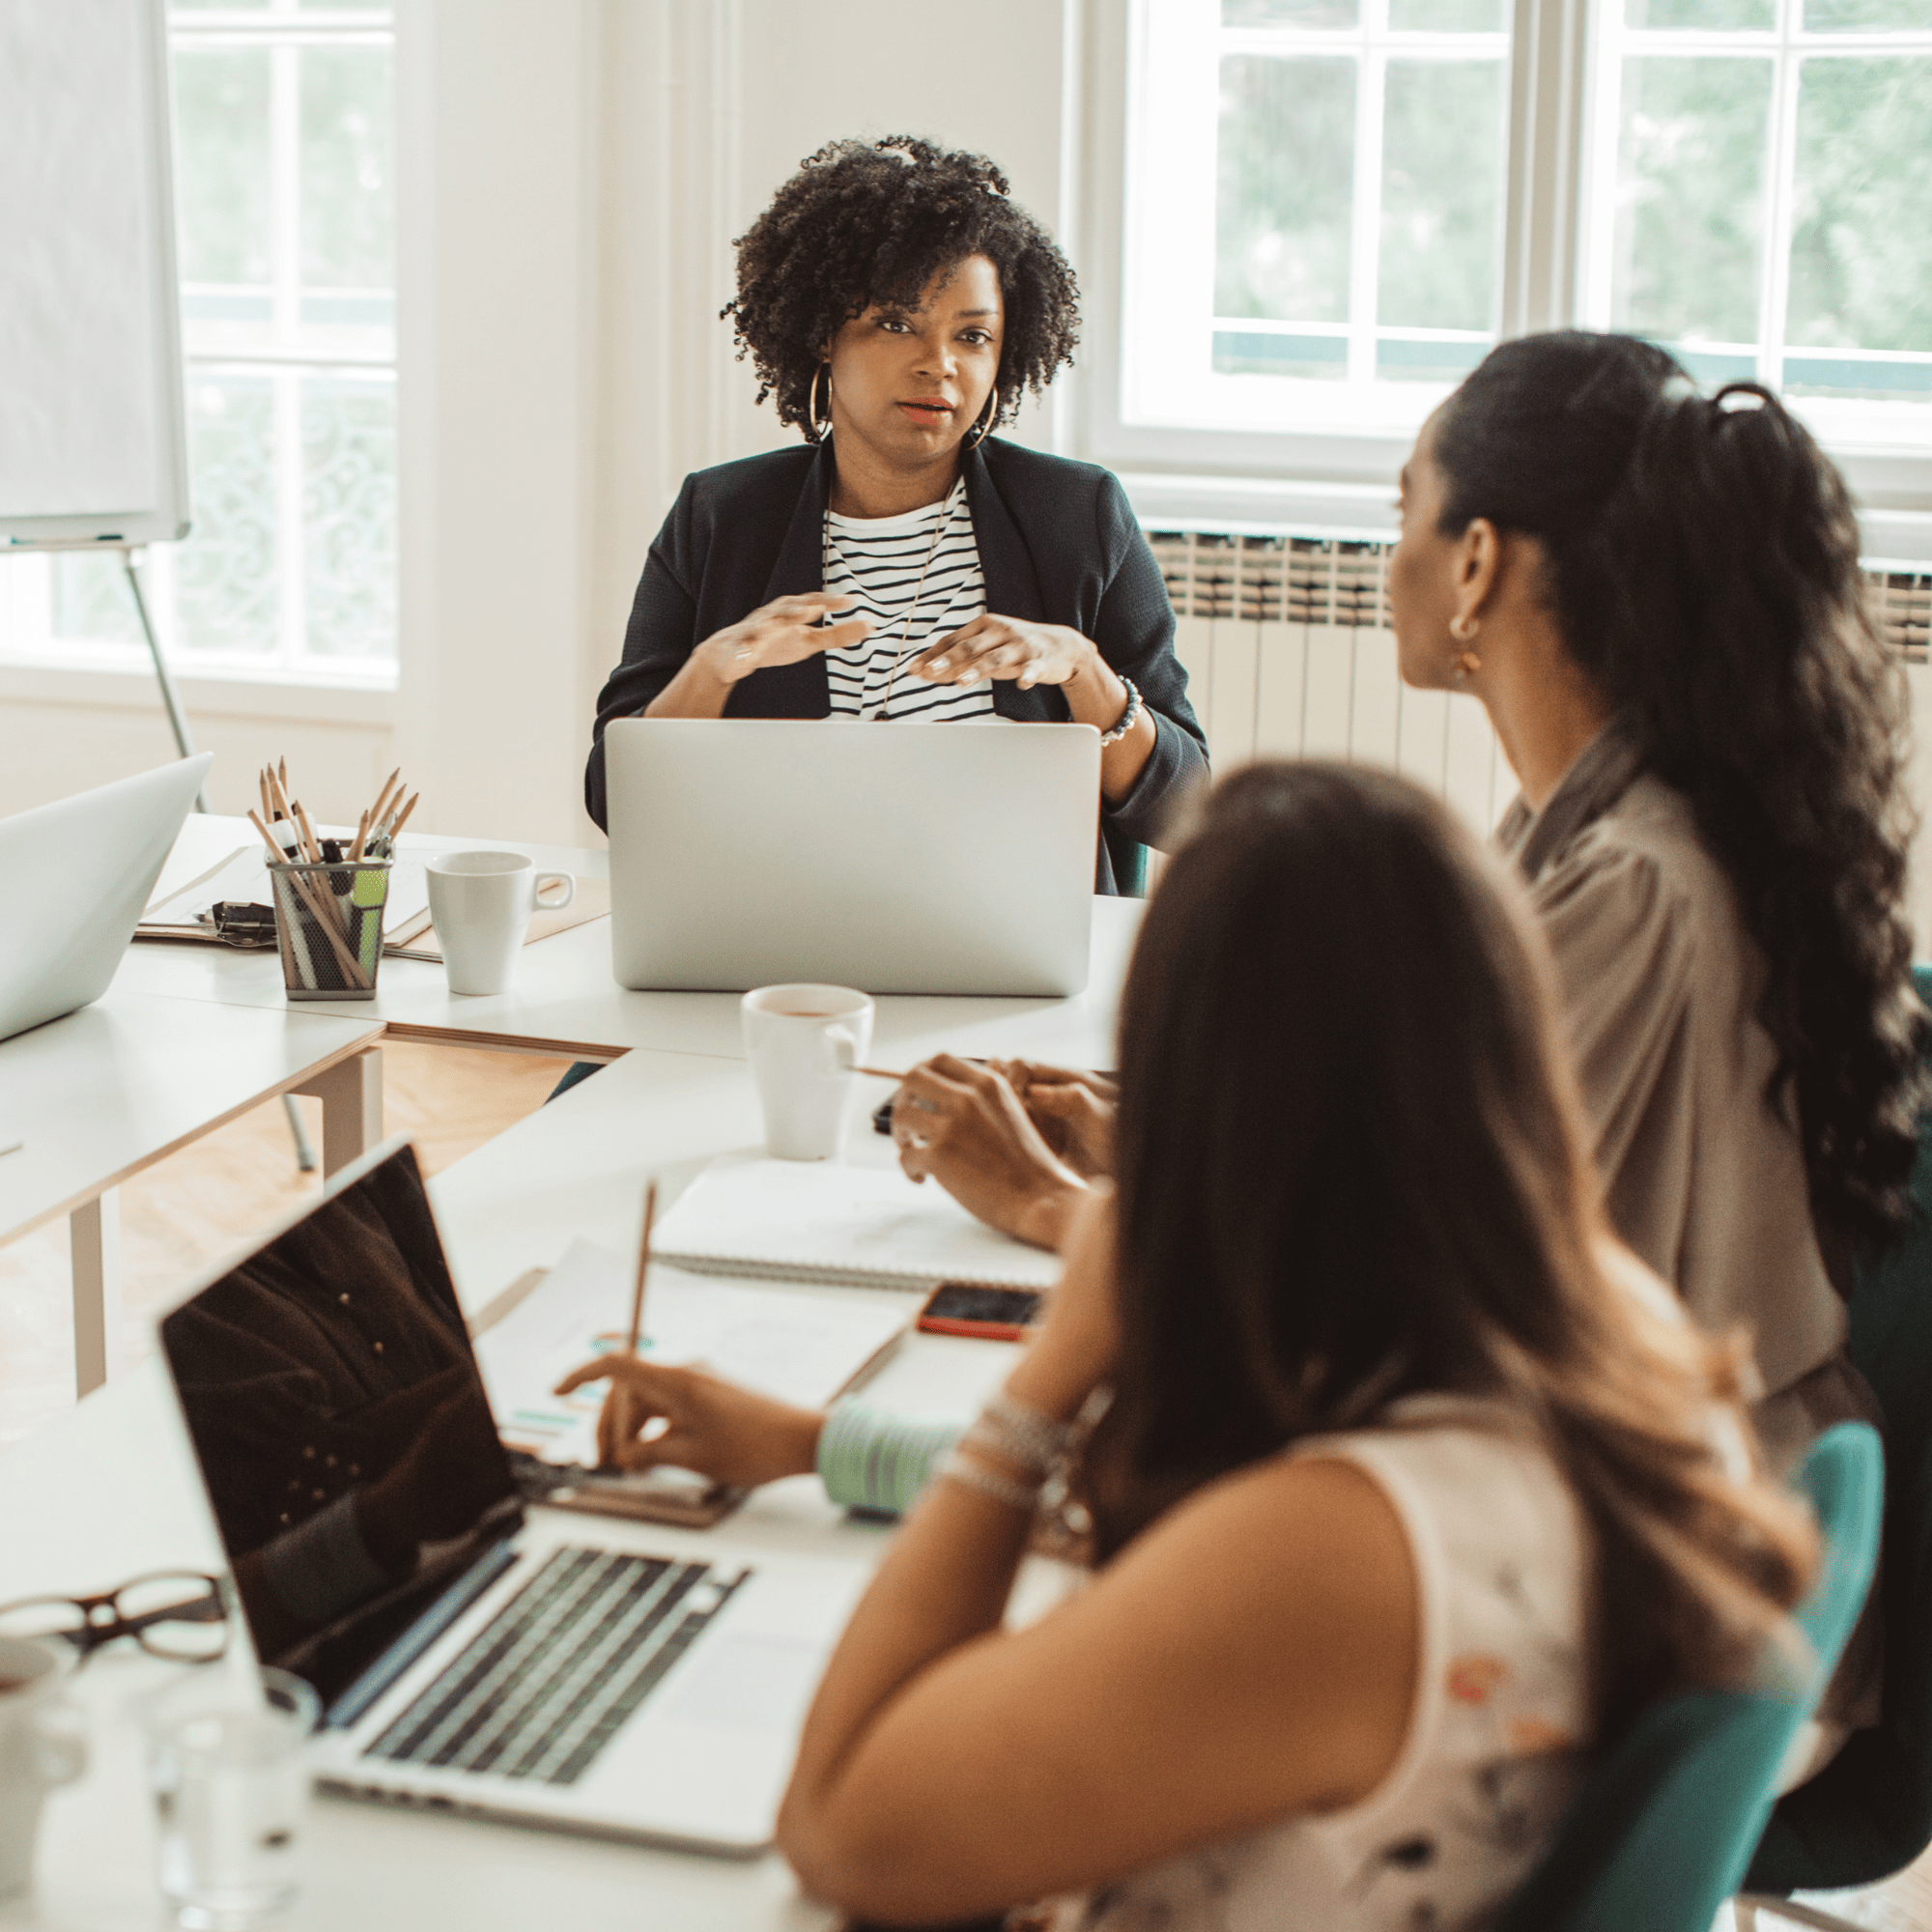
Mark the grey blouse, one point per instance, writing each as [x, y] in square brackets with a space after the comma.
[1705, 1180]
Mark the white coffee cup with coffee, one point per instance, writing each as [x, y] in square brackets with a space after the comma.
[481, 904]
[41, 1746]
[804, 1043]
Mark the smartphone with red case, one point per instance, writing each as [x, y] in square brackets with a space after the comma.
[989, 1314]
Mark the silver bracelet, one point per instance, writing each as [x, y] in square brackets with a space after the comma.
[974, 1475]
[1018, 1434]
[1129, 717]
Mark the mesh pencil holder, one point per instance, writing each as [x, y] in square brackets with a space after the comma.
[329, 925]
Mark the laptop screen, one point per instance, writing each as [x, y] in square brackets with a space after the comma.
[342, 1431]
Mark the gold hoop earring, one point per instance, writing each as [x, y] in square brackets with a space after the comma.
[983, 427]
[1464, 629]
[819, 430]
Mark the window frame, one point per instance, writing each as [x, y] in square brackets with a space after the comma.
[1839, 424]
[28, 599]
[1338, 482]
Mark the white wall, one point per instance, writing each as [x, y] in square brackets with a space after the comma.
[572, 174]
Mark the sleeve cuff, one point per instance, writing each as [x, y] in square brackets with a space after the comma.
[871, 1459]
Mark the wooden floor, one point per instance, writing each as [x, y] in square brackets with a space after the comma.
[187, 1210]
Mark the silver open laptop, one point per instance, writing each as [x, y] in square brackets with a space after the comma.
[610, 1678]
[896, 858]
[73, 878]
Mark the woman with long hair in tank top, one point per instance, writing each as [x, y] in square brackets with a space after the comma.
[1414, 1489]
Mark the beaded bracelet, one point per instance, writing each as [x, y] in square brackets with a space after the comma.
[1017, 1433]
[974, 1475]
[1128, 717]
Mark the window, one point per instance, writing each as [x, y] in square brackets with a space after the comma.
[1317, 196]
[1761, 203]
[1352, 153]
[284, 187]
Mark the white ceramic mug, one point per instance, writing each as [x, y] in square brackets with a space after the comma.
[481, 904]
[803, 1042]
[39, 1745]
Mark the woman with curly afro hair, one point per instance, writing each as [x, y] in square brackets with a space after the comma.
[904, 563]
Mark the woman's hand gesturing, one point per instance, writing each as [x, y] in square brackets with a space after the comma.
[782, 632]
[785, 631]
[1006, 647]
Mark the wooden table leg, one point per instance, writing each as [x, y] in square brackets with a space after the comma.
[94, 1236]
[351, 1093]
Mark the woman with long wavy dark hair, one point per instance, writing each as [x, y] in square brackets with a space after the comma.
[1657, 597]
[1414, 1488]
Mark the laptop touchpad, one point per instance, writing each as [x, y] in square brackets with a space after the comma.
[747, 1683]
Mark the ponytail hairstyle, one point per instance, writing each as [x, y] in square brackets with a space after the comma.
[1389, 1194]
[1703, 567]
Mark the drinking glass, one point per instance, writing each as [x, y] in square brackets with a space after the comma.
[232, 1790]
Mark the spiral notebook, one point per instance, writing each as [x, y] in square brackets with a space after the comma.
[851, 1227]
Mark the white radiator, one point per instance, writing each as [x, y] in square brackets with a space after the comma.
[1288, 654]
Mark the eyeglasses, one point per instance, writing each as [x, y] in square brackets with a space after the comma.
[180, 1614]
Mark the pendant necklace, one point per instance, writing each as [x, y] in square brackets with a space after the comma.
[941, 525]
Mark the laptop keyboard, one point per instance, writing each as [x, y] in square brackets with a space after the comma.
[546, 1684]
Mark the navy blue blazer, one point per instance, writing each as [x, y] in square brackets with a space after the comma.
[1058, 545]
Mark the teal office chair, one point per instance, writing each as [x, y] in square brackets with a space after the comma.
[1868, 1813]
[1664, 1831]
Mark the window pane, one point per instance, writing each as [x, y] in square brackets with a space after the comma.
[1708, 14]
[1861, 233]
[1288, 13]
[1286, 170]
[1449, 17]
[225, 585]
[349, 517]
[347, 204]
[1442, 188]
[92, 599]
[1691, 166]
[1274, 352]
[1838, 16]
[1405, 361]
[221, 160]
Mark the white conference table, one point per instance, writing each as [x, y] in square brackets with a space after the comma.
[109, 1490]
[111, 1089]
[566, 1002]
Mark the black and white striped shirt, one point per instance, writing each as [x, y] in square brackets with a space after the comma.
[878, 560]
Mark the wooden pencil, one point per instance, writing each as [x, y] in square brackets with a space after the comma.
[268, 840]
[311, 845]
[322, 909]
[644, 1267]
[396, 830]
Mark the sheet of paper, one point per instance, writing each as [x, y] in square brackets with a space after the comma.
[243, 878]
[799, 1347]
[823, 1216]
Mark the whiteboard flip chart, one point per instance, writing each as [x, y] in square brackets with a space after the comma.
[90, 374]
